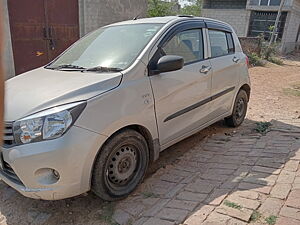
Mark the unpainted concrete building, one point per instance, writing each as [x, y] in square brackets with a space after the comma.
[249, 18]
[37, 31]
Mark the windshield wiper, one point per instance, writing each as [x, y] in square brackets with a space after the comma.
[103, 69]
[67, 66]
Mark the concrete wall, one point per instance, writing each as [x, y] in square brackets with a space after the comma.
[237, 18]
[224, 4]
[96, 13]
[8, 60]
[291, 28]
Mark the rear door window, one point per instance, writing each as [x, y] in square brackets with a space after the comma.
[221, 43]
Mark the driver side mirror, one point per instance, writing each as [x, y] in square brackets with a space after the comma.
[169, 63]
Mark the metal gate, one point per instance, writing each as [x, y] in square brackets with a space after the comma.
[41, 30]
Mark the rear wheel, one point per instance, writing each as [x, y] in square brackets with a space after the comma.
[120, 166]
[239, 110]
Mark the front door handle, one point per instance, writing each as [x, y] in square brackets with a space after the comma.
[235, 59]
[205, 69]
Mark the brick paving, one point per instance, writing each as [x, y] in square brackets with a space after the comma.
[234, 177]
[225, 180]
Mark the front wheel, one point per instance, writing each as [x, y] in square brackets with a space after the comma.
[120, 165]
[239, 110]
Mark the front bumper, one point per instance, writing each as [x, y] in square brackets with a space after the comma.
[32, 165]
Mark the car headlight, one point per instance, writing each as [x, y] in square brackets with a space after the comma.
[48, 124]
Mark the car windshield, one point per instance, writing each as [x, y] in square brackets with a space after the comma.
[113, 48]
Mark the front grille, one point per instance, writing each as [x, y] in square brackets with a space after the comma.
[8, 136]
[9, 172]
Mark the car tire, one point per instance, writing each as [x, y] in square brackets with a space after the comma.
[120, 166]
[239, 110]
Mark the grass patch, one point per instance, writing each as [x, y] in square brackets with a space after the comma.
[293, 90]
[107, 213]
[255, 216]
[232, 205]
[263, 127]
[149, 195]
[271, 220]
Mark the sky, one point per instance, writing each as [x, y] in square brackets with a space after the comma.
[182, 2]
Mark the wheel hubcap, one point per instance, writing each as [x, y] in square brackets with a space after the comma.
[122, 165]
[240, 108]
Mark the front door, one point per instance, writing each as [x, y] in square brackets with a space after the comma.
[181, 97]
[41, 30]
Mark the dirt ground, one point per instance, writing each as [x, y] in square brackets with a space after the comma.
[274, 96]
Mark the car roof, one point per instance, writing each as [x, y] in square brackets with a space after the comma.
[166, 19]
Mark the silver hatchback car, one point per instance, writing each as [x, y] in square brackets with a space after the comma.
[95, 117]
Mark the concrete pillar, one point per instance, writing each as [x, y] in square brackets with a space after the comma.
[8, 59]
[81, 8]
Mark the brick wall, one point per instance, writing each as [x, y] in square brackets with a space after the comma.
[96, 13]
[224, 4]
[237, 18]
[250, 45]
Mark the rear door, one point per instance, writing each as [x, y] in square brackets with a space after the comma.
[225, 64]
[182, 97]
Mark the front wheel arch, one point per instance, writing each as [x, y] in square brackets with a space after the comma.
[153, 145]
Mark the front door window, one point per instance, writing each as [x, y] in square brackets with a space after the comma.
[187, 44]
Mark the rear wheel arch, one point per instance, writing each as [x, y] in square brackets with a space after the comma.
[247, 89]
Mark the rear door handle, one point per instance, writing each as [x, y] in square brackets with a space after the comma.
[235, 59]
[205, 69]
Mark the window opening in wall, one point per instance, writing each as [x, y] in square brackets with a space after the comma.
[269, 2]
[263, 22]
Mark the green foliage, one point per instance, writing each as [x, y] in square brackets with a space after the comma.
[262, 127]
[255, 60]
[164, 8]
[271, 220]
[255, 216]
[276, 60]
[267, 51]
[232, 205]
[158, 8]
[271, 28]
[194, 8]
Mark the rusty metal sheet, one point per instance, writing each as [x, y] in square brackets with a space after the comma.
[41, 30]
